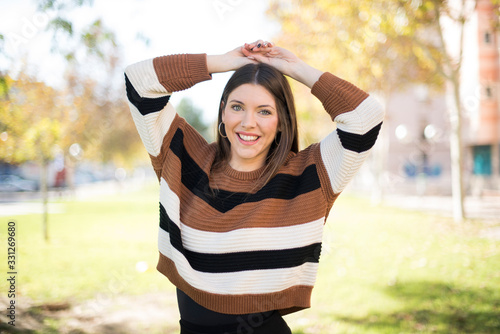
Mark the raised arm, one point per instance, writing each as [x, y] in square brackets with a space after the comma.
[357, 114]
[149, 85]
[229, 61]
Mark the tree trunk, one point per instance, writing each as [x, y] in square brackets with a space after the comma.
[45, 198]
[495, 164]
[456, 151]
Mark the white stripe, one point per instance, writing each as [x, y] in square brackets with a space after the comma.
[142, 76]
[240, 240]
[242, 282]
[252, 239]
[367, 115]
[342, 164]
[153, 127]
[170, 202]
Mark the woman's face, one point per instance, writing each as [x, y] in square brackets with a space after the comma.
[251, 123]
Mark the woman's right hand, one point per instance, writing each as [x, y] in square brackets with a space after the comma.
[229, 61]
[283, 60]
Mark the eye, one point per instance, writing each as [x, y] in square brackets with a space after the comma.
[236, 107]
[265, 112]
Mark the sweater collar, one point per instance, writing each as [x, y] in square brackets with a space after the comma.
[251, 175]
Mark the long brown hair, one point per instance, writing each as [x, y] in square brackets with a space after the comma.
[287, 139]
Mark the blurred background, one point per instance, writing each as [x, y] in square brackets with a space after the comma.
[70, 156]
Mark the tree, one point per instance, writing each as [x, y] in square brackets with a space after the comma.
[384, 44]
[37, 120]
[31, 115]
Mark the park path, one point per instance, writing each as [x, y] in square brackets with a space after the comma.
[148, 313]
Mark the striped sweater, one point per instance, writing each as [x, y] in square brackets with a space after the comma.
[239, 249]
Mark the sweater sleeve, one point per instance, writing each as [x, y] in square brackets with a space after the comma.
[149, 85]
[358, 117]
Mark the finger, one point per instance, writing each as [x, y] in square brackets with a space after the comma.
[249, 46]
[245, 51]
[257, 45]
[258, 57]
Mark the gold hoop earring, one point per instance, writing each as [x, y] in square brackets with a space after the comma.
[220, 132]
[275, 137]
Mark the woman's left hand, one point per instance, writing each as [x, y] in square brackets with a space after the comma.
[265, 52]
[283, 60]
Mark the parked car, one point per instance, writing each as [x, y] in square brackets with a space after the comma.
[12, 182]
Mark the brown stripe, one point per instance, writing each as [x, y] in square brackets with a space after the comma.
[196, 213]
[197, 147]
[179, 72]
[338, 96]
[290, 300]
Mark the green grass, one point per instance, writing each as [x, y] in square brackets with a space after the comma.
[93, 249]
[382, 270]
[385, 270]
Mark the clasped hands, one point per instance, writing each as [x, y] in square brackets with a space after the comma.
[262, 51]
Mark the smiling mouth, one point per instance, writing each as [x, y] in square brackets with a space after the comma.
[248, 138]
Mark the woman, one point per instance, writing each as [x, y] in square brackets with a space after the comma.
[241, 219]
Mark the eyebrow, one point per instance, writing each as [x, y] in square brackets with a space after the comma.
[261, 106]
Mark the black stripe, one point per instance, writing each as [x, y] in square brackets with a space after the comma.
[168, 225]
[282, 186]
[239, 261]
[359, 143]
[143, 104]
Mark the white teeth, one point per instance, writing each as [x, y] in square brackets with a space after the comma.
[248, 138]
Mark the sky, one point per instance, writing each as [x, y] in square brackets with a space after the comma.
[172, 26]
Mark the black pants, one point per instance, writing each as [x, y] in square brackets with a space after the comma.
[272, 325]
[195, 319]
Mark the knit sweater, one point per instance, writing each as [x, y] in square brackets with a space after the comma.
[232, 248]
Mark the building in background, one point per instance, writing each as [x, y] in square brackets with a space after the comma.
[484, 131]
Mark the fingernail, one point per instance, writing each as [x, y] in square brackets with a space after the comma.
[258, 45]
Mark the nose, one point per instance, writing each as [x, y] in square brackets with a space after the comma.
[248, 120]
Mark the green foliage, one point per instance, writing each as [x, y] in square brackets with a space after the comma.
[89, 111]
[31, 118]
[64, 25]
[96, 37]
[63, 4]
[4, 87]
[380, 45]
[193, 116]
[42, 137]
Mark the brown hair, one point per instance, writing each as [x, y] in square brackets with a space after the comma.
[287, 139]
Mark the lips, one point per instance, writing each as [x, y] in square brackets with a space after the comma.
[247, 137]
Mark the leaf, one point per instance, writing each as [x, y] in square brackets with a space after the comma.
[60, 24]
